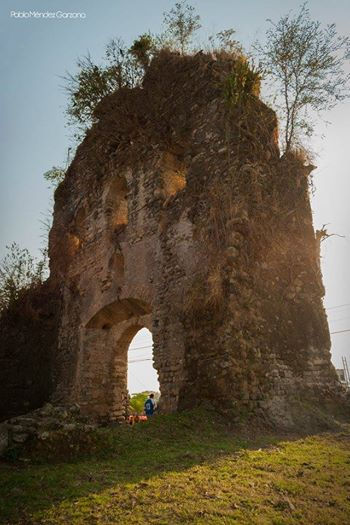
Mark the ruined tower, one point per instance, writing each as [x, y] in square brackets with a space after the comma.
[178, 214]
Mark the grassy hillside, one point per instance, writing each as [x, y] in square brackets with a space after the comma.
[186, 468]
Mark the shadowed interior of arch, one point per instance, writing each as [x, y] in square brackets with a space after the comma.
[118, 311]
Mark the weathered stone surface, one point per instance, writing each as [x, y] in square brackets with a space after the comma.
[19, 437]
[192, 231]
[43, 424]
[4, 438]
[28, 335]
[178, 214]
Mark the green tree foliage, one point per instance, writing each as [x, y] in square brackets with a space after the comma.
[122, 67]
[143, 48]
[19, 271]
[242, 83]
[137, 402]
[224, 41]
[302, 60]
[304, 63]
[92, 82]
[55, 176]
[181, 23]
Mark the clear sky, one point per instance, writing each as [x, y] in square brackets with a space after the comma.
[34, 136]
[141, 374]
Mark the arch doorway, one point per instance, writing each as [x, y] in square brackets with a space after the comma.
[142, 376]
[116, 359]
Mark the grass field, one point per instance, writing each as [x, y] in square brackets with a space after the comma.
[185, 468]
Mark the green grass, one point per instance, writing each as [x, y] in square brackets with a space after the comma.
[186, 468]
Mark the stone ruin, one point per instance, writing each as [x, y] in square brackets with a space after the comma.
[179, 214]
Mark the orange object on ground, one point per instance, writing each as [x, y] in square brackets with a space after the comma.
[136, 419]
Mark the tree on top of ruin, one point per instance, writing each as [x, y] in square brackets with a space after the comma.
[304, 64]
[181, 23]
[92, 82]
[302, 61]
[124, 67]
[225, 41]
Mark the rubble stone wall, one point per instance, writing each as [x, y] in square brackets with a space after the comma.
[178, 214]
[28, 336]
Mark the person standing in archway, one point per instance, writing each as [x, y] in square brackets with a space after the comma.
[150, 405]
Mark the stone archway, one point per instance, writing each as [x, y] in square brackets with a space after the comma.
[179, 215]
[102, 368]
[120, 368]
[142, 372]
[114, 313]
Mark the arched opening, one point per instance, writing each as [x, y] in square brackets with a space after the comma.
[116, 359]
[114, 313]
[142, 377]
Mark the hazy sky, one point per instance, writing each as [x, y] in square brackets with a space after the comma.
[34, 137]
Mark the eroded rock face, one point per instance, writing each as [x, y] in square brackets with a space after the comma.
[179, 215]
[42, 424]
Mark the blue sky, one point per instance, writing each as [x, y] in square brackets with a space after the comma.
[34, 136]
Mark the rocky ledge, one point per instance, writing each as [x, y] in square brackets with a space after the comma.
[41, 424]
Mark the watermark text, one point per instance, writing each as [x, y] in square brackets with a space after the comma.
[58, 15]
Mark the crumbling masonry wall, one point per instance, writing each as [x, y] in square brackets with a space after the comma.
[28, 339]
[178, 214]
